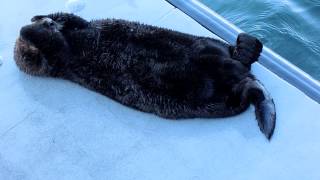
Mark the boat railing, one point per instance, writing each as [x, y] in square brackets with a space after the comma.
[269, 59]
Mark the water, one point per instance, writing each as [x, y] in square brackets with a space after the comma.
[289, 27]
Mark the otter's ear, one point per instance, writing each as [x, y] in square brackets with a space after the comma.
[59, 24]
[70, 21]
[67, 20]
[37, 18]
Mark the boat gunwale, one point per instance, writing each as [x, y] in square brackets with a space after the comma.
[216, 24]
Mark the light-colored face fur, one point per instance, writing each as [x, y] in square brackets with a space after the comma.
[29, 58]
[28, 52]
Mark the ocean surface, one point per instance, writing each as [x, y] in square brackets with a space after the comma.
[289, 27]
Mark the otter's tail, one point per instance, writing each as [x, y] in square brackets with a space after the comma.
[265, 109]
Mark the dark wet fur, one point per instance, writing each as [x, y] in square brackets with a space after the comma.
[152, 69]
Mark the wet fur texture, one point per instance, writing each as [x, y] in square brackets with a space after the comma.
[152, 69]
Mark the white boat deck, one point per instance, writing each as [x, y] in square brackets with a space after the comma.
[54, 129]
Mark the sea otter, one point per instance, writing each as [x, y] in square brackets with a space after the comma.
[171, 74]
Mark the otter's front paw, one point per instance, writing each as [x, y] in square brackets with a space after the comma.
[247, 50]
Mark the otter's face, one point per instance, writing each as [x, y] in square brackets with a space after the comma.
[37, 45]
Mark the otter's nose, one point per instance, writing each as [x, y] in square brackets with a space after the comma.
[47, 22]
[35, 32]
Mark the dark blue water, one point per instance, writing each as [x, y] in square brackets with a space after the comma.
[289, 27]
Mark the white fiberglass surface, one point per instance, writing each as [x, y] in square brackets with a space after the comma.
[54, 129]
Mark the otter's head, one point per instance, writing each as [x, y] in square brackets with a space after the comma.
[38, 47]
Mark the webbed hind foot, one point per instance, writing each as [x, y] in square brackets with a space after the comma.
[247, 50]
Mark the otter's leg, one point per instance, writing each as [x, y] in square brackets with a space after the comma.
[69, 21]
[169, 107]
[250, 90]
[247, 49]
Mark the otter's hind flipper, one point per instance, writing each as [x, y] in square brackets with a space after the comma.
[254, 92]
[247, 49]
